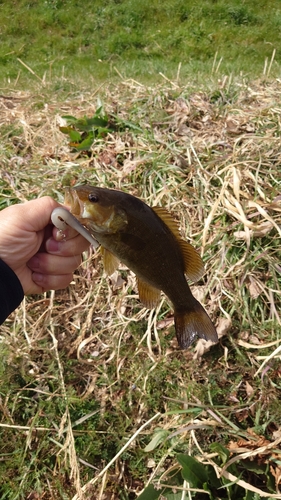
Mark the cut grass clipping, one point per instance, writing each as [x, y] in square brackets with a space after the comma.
[97, 402]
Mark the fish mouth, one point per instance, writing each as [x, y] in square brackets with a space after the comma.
[72, 200]
[95, 221]
[77, 209]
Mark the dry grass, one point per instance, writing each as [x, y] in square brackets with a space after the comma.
[88, 371]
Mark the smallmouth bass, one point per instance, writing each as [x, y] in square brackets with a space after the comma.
[147, 241]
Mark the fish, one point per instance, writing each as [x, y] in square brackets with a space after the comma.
[148, 241]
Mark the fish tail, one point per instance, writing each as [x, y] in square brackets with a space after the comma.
[193, 323]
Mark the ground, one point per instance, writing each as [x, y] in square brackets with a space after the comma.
[97, 401]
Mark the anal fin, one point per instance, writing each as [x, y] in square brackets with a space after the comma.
[148, 295]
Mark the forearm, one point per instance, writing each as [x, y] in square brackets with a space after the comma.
[11, 292]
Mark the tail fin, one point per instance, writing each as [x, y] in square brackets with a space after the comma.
[192, 323]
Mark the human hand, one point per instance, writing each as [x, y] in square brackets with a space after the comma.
[30, 245]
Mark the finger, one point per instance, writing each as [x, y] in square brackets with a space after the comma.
[51, 282]
[36, 214]
[46, 263]
[69, 247]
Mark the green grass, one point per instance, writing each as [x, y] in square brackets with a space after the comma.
[136, 38]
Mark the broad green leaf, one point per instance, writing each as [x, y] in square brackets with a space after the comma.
[99, 109]
[73, 134]
[192, 471]
[221, 450]
[150, 493]
[171, 495]
[270, 482]
[213, 480]
[159, 436]
[101, 132]
[250, 495]
[254, 466]
[85, 125]
[98, 121]
[64, 130]
[70, 119]
[210, 489]
[84, 145]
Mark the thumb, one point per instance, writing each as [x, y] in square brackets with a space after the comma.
[36, 214]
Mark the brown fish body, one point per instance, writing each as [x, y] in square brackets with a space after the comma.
[147, 241]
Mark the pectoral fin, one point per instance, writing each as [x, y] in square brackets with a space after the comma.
[148, 295]
[110, 262]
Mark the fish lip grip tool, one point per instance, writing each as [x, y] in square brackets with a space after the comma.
[61, 218]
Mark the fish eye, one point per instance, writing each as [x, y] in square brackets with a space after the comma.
[93, 198]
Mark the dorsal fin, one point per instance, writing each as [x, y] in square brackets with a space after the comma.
[168, 219]
[110, 262]
[148, 295]
[193, 264]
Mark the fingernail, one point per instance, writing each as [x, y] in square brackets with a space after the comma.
[53, 246]
[38, 278]
[34, 263]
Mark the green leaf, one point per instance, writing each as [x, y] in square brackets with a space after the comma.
[250, 495]
[97, 121]
[64, 130]
[85, 144]
[150, 493]
[270, 482]
[171, 495]
[192, 471]
[101, 132]
[99, 109]
[70, 119]
[254, 466]
[213, 480]
[221, 450]
[87, 124]
[159, 436]
[74, 135]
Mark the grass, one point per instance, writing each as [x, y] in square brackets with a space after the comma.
[96, 399]
[137, 39]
